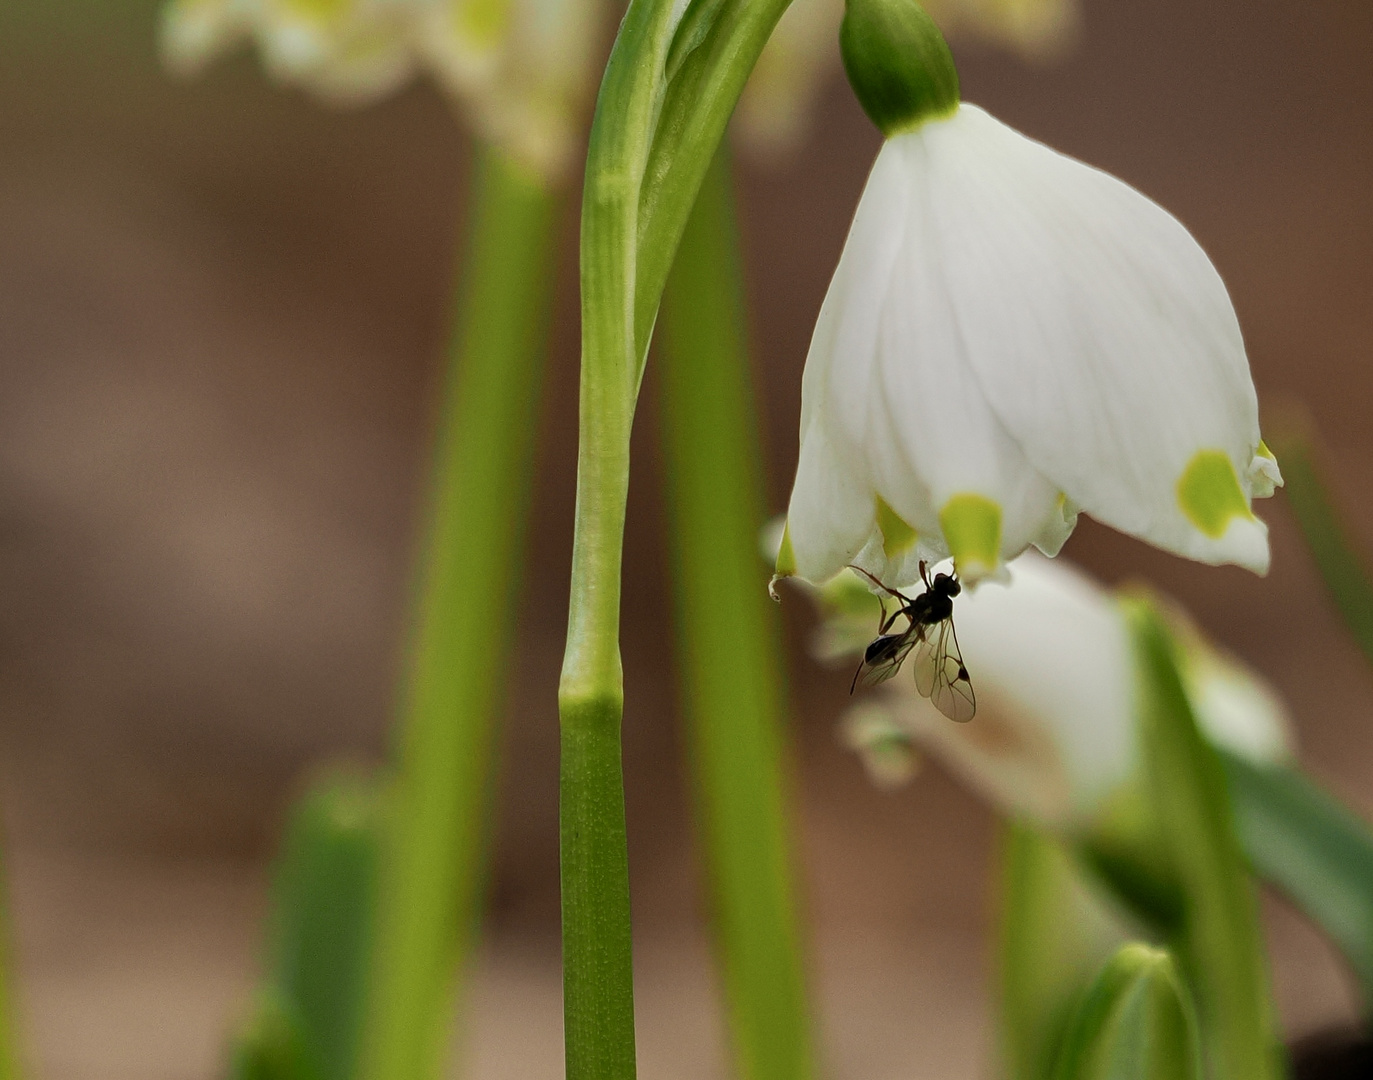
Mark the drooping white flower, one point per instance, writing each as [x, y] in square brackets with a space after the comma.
[1056, 733]
[1012, 336]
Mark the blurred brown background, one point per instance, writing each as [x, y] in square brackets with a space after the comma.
[222, 314]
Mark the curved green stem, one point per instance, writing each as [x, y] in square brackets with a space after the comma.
[433, 866]
[729, 647]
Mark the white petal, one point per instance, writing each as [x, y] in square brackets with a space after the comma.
[1099, 331]
[906, 405]
[831, 514]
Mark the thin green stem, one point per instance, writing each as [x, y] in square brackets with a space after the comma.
[433, 869]
[730, 653]
[598, 981]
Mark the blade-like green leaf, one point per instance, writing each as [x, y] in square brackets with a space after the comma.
[1315, 850]
[1136, 1023]
[321, 928]
[1337, 554]
[1219, 940]
[1055, 933]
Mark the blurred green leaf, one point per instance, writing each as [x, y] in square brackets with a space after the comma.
[320, 932]
[272, 1046]
[1135, 1023]
[1314, 849]
[1338, 555]
[1219, 941]
[1127, 850]
[1055, 933]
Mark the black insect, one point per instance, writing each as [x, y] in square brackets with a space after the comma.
[939, 671]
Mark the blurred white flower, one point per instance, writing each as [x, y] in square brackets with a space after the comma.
[1055, 737]
[1011, 336]
[348, 51]
[521, 71]
[524, 70]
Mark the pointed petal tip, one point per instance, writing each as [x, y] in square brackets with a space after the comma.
[1245, 544]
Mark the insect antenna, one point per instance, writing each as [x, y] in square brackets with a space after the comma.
[905, 600]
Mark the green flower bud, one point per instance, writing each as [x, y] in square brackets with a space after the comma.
[898, 64]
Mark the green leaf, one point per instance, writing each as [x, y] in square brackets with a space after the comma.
[1337, 553]
[321, 926]
[1055, 933]
[1219, 941]
[272, 1046]
[1136, 1023]
[1314, 849]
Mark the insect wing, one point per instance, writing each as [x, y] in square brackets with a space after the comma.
[881, 670]
[941, 676]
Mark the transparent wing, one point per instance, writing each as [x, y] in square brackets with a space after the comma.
[879, 671]
[940, 674]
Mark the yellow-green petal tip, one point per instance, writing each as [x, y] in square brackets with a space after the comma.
[897, 536]
[972, 530]
[1209, 493]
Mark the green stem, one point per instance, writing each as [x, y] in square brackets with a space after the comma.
[598, 982]
[433, 869]
[730, 653]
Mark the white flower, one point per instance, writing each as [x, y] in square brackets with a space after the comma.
[1055, 735]
[1012, 336]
